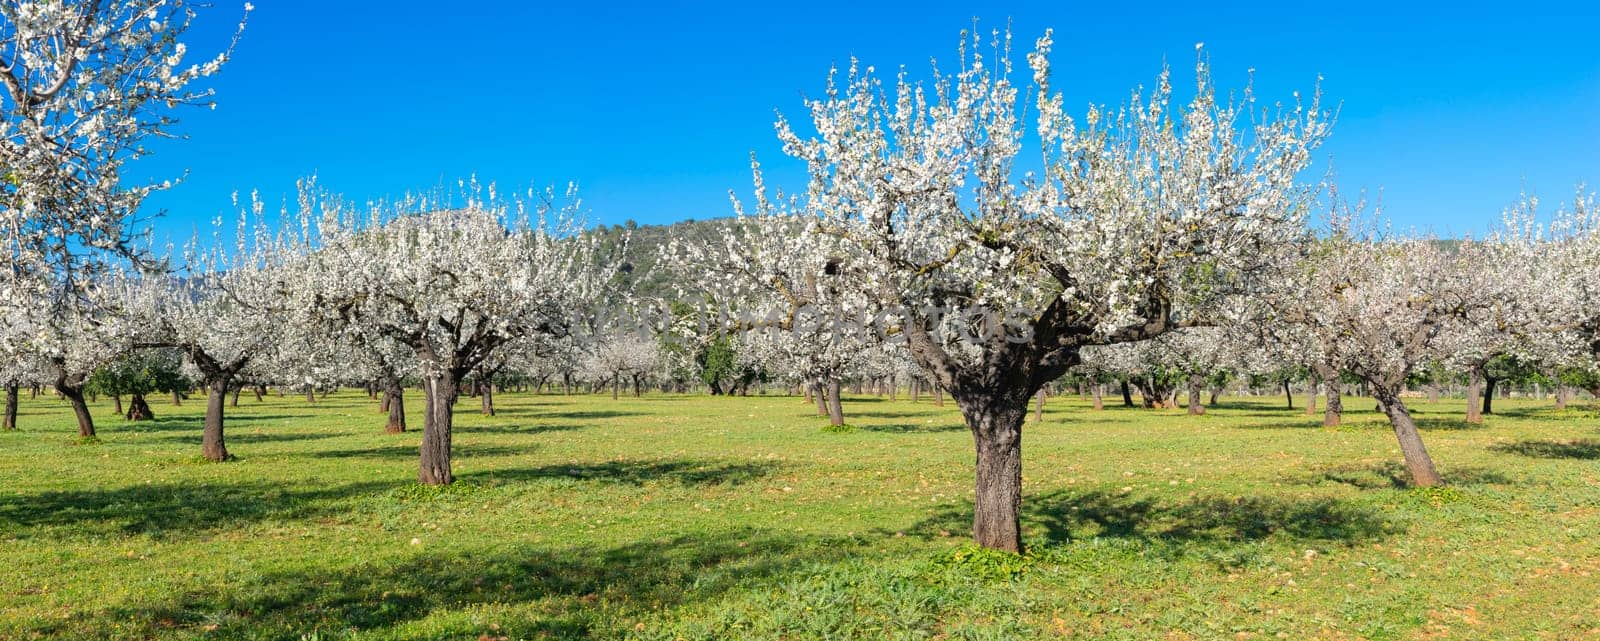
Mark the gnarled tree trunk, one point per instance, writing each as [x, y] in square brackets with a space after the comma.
[1416, 456]
[1334, 413]
[212, 444]
[835, 405]
[395, 402]
[1474, 390]
[139, 409]
[9, 421]
[72, 390]
[438, 401]
[996, 424]
[1197, 385]
[1127, 395]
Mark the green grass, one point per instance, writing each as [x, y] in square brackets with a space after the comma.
[675, 517]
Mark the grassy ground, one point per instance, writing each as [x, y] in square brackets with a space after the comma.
[706, 518]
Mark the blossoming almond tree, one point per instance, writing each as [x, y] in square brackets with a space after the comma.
[1130, 222]
[453, 285]
[225, 311]
[84, 88]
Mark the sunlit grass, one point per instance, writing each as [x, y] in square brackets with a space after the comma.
[697, 517]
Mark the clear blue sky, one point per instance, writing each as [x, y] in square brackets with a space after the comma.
[653, 109]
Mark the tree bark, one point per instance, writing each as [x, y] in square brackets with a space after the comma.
[1099, 390]
[212, 444]
[1288, 394]
[233, 399]
[394, 401]
[74, 393]
[1312, 390]
[1334, 414]
[486, 394]
[139, 409]
[835, 404]
[938, 395]
[383, 401]
[997, 436]
[311, 394]
[1561, 396]
[439, 399]
[116, 404]
[1038, 412]
[1416, 456]
[9, 420]
[259, 390]
[1196, 386]
[1488, 394]
[1474, 390]
[177, 398]
[1127, 395]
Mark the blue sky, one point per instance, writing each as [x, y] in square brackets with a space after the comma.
[653, 108]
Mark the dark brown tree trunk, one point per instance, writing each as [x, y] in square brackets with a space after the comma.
[1288, 394]
[259, 390]
[116, 404]
[394, 401]
[74, 393]
[835, 404]
[434, 468]
[139, 409]
[1416, 456]
[1099, 390]
[486, 394]
[212, 444]
[894, 388]
[9, 420]
[233, 399]
[1212, 400]
[820, 397]
[1197, 385]
[383, 401]
[805, 389]
[1127, 394]
[1474, 390]
[997, 437]
[177, 398]
[1313, 388]
[1488, 394]
[1334, 414]
[311, 394]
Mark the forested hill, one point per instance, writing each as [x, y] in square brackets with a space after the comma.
[643, 243]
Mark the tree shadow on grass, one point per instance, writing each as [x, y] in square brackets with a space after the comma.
[914, 428]
[1444, 424]
[238, 437]
[397, 451]
[1065, 515]
[519, 428]
[556, 413]
[1585, 449]
[572, 593]
[185, 507]
[676, 472]
[1393, 475]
